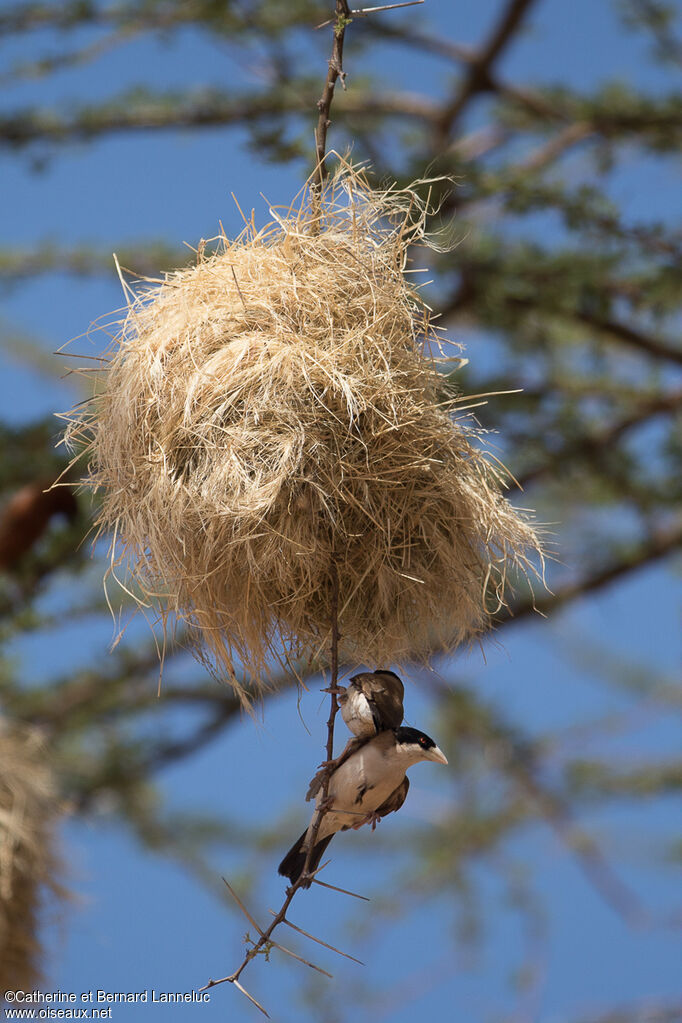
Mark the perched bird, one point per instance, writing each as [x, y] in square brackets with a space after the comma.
[372, 703]
[367, 786]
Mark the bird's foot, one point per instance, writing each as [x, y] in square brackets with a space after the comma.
[370, 818]
[328, 767]
[317, 781]
[350, 747]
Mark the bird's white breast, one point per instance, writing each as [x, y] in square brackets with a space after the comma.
[359, 786]
[357, 714]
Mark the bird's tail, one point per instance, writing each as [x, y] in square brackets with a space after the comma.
[293, 863]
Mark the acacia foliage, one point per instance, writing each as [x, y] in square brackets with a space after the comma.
[572, 296]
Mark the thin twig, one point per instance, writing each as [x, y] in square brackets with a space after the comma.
[363, 12]
[319, 941]
[323, 803]
[324, 103]
[250, 998]
[294, 955]
[265, 940]
[344, 891]
[308, 877]
[242, 907]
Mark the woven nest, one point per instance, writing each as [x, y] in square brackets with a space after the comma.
[268, 419]
[28, 863]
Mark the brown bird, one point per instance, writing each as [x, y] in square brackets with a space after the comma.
[372, 702]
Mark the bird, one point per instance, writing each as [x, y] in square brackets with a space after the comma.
[372, 703]
[367, 786]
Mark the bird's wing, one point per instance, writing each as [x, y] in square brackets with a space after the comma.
[387, 707]
[383, 701]
[375, 711]
[395, 800]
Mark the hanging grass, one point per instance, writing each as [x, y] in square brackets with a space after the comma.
[28, 864]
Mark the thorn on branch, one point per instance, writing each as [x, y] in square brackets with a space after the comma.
[319, 941]
[363, 12]
[250, 997]
[344, 891]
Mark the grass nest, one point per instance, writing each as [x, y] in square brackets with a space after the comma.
[273, 417]
[28, 863]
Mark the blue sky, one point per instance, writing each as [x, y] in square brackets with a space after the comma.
[141, 922]
[144, 925]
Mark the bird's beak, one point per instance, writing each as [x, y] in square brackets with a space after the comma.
[437, 754]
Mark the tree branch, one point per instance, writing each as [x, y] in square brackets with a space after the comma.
[135, 112]
[333, 708]
[17, 265]
[614, 329]
[469, 290]
[157, 758]
[531, 100]
[628, 335]
[334, 72]
[591, 444]
[658, 545]
[265, 939]
[478, 76]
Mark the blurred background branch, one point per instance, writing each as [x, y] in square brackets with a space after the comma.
[565, 282]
